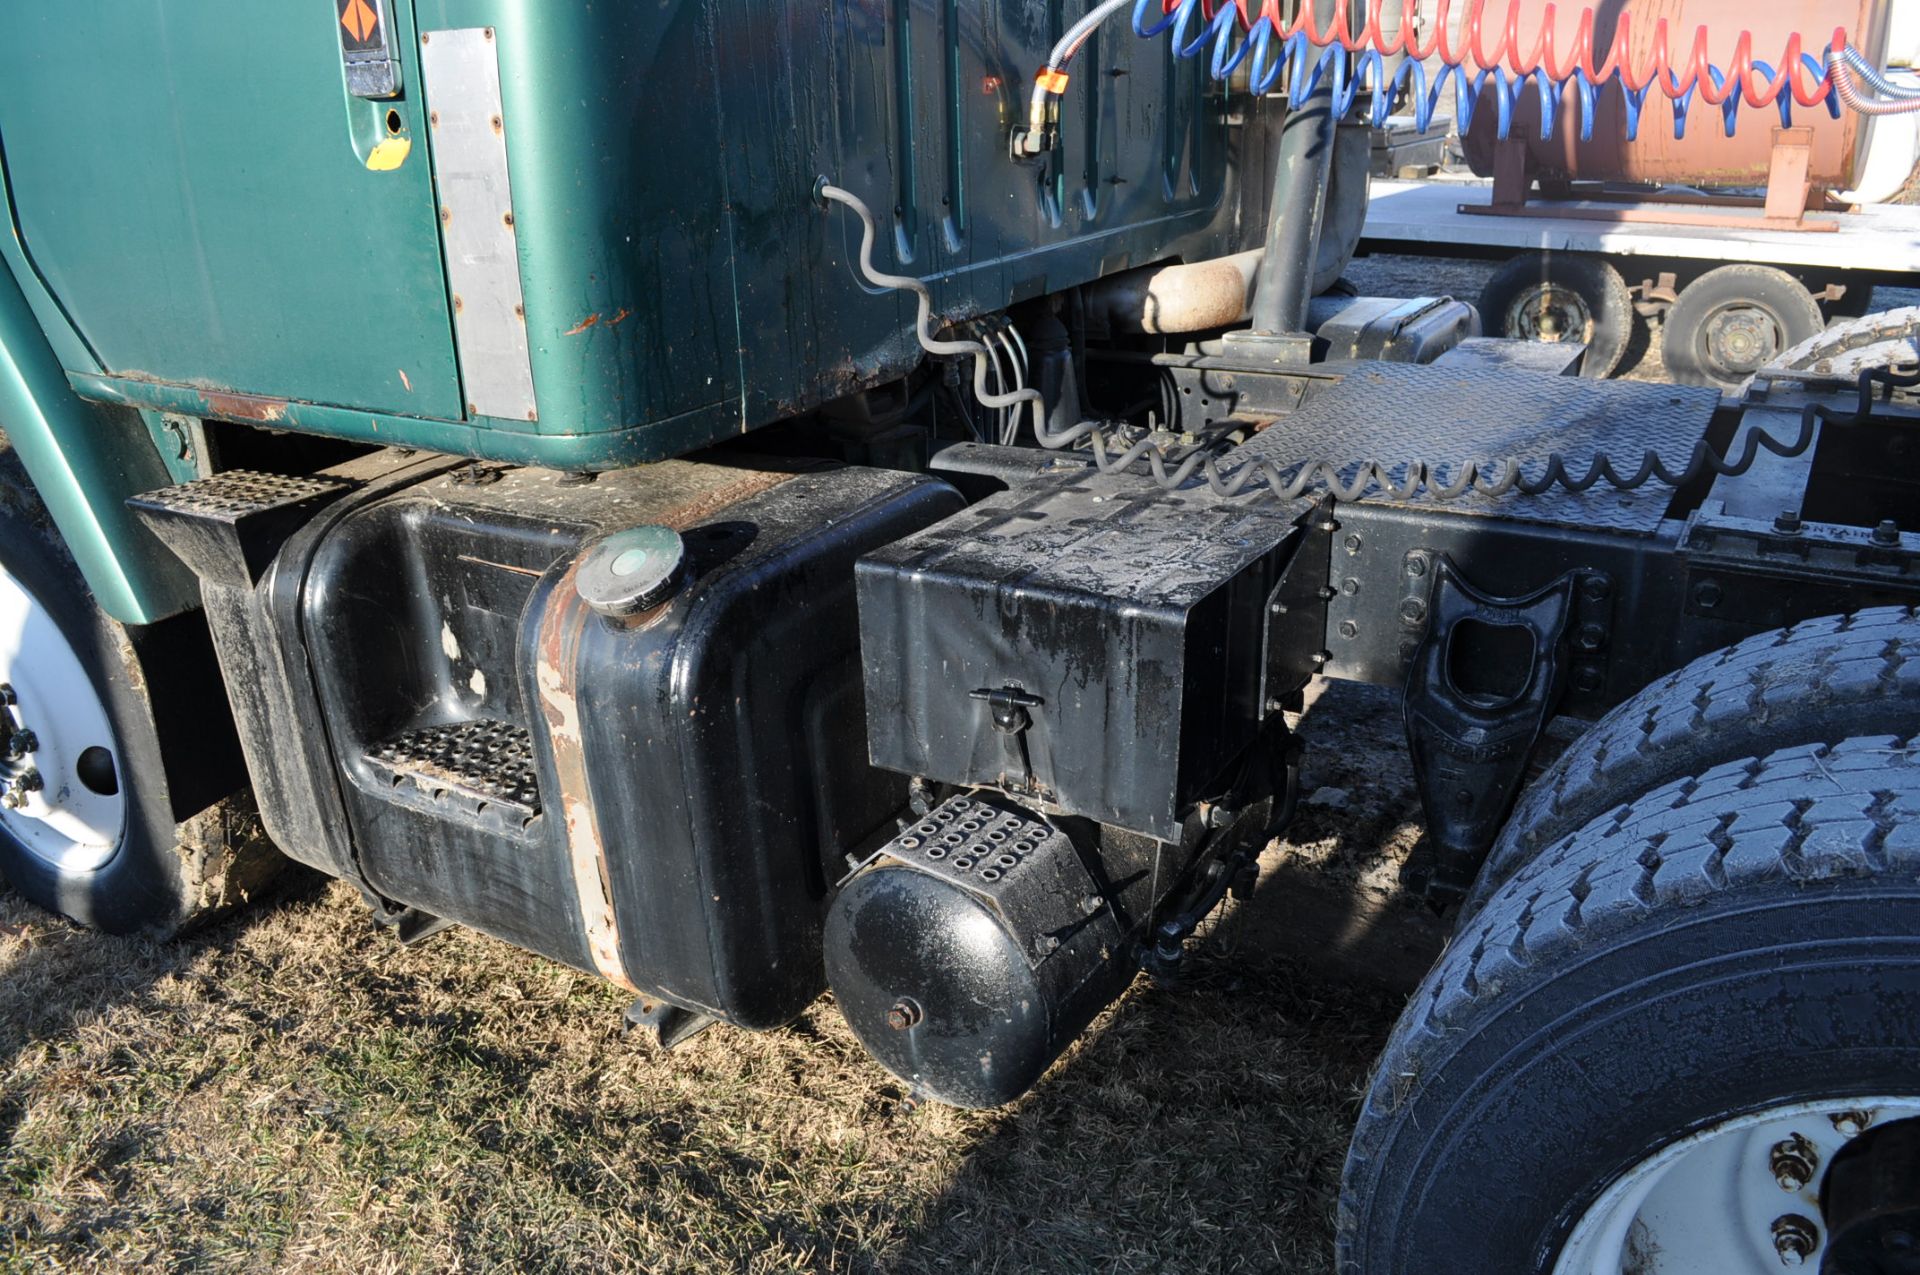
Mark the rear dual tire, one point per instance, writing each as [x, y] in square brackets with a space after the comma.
[1817, 682]
[1595, 1071]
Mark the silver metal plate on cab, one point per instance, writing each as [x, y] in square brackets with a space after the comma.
[461, 69]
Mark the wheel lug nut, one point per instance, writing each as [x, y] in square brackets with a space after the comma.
[24, 784]
[1794, 1238]
[1793, 1161]
[1851, 1124]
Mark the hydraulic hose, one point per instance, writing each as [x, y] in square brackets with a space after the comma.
[1389, 61]
[1296, 478]
[1847, 63]
[1052, 81]
[1857, 62]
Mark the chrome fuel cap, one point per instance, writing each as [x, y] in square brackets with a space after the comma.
[632, 571]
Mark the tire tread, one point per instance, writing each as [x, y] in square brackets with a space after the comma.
[1807, 814]
[1732, 702]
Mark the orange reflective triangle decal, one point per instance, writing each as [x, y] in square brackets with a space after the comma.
[360, 19]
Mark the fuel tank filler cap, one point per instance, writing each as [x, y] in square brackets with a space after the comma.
[632, 571]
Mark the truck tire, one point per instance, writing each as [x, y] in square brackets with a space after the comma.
[1731, 322]
[1650, 1007]
[1836, 357]
[1812, 683]
[1554, 297]
[92, 823]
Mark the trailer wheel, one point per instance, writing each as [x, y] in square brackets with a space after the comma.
[1551, 297]
[1731, 322]
[1811, 683]
[1655, 1047]
[88, 824]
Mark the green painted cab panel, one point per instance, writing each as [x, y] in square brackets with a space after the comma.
[219, 243]
[189, 183]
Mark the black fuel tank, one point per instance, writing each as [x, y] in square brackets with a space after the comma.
[660, 787]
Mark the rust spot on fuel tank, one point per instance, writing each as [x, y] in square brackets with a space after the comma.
[556, 654]
[563, 626]
[584, 324]
[751, 483]
[620, 318]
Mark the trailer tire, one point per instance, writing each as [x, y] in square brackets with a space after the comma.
[1813, 683]
[178, 858]
[1555, 297]
[1836, 357]
[1745, 950]
[1731, 322]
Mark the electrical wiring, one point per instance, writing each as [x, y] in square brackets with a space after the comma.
[1009, 339]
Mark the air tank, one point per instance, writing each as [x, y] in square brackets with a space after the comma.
[1705, 156]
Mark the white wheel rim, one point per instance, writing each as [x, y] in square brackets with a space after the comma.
[1709, 1204]
[64, 823]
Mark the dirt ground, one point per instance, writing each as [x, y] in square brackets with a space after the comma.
[293, 1090]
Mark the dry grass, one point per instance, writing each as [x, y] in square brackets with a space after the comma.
[294, 1091]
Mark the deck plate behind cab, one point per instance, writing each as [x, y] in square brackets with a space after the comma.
[1446, 416]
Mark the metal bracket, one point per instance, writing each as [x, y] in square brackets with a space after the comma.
[1009, 705]
[1810, 568]
[414, 927]
[1297, 611]
[1027, 868]
[1471, 723]
[666, 1026]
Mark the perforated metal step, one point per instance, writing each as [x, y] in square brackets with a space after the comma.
[972, 841]
[484, 763]
[238, 494]
[1020, 865]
